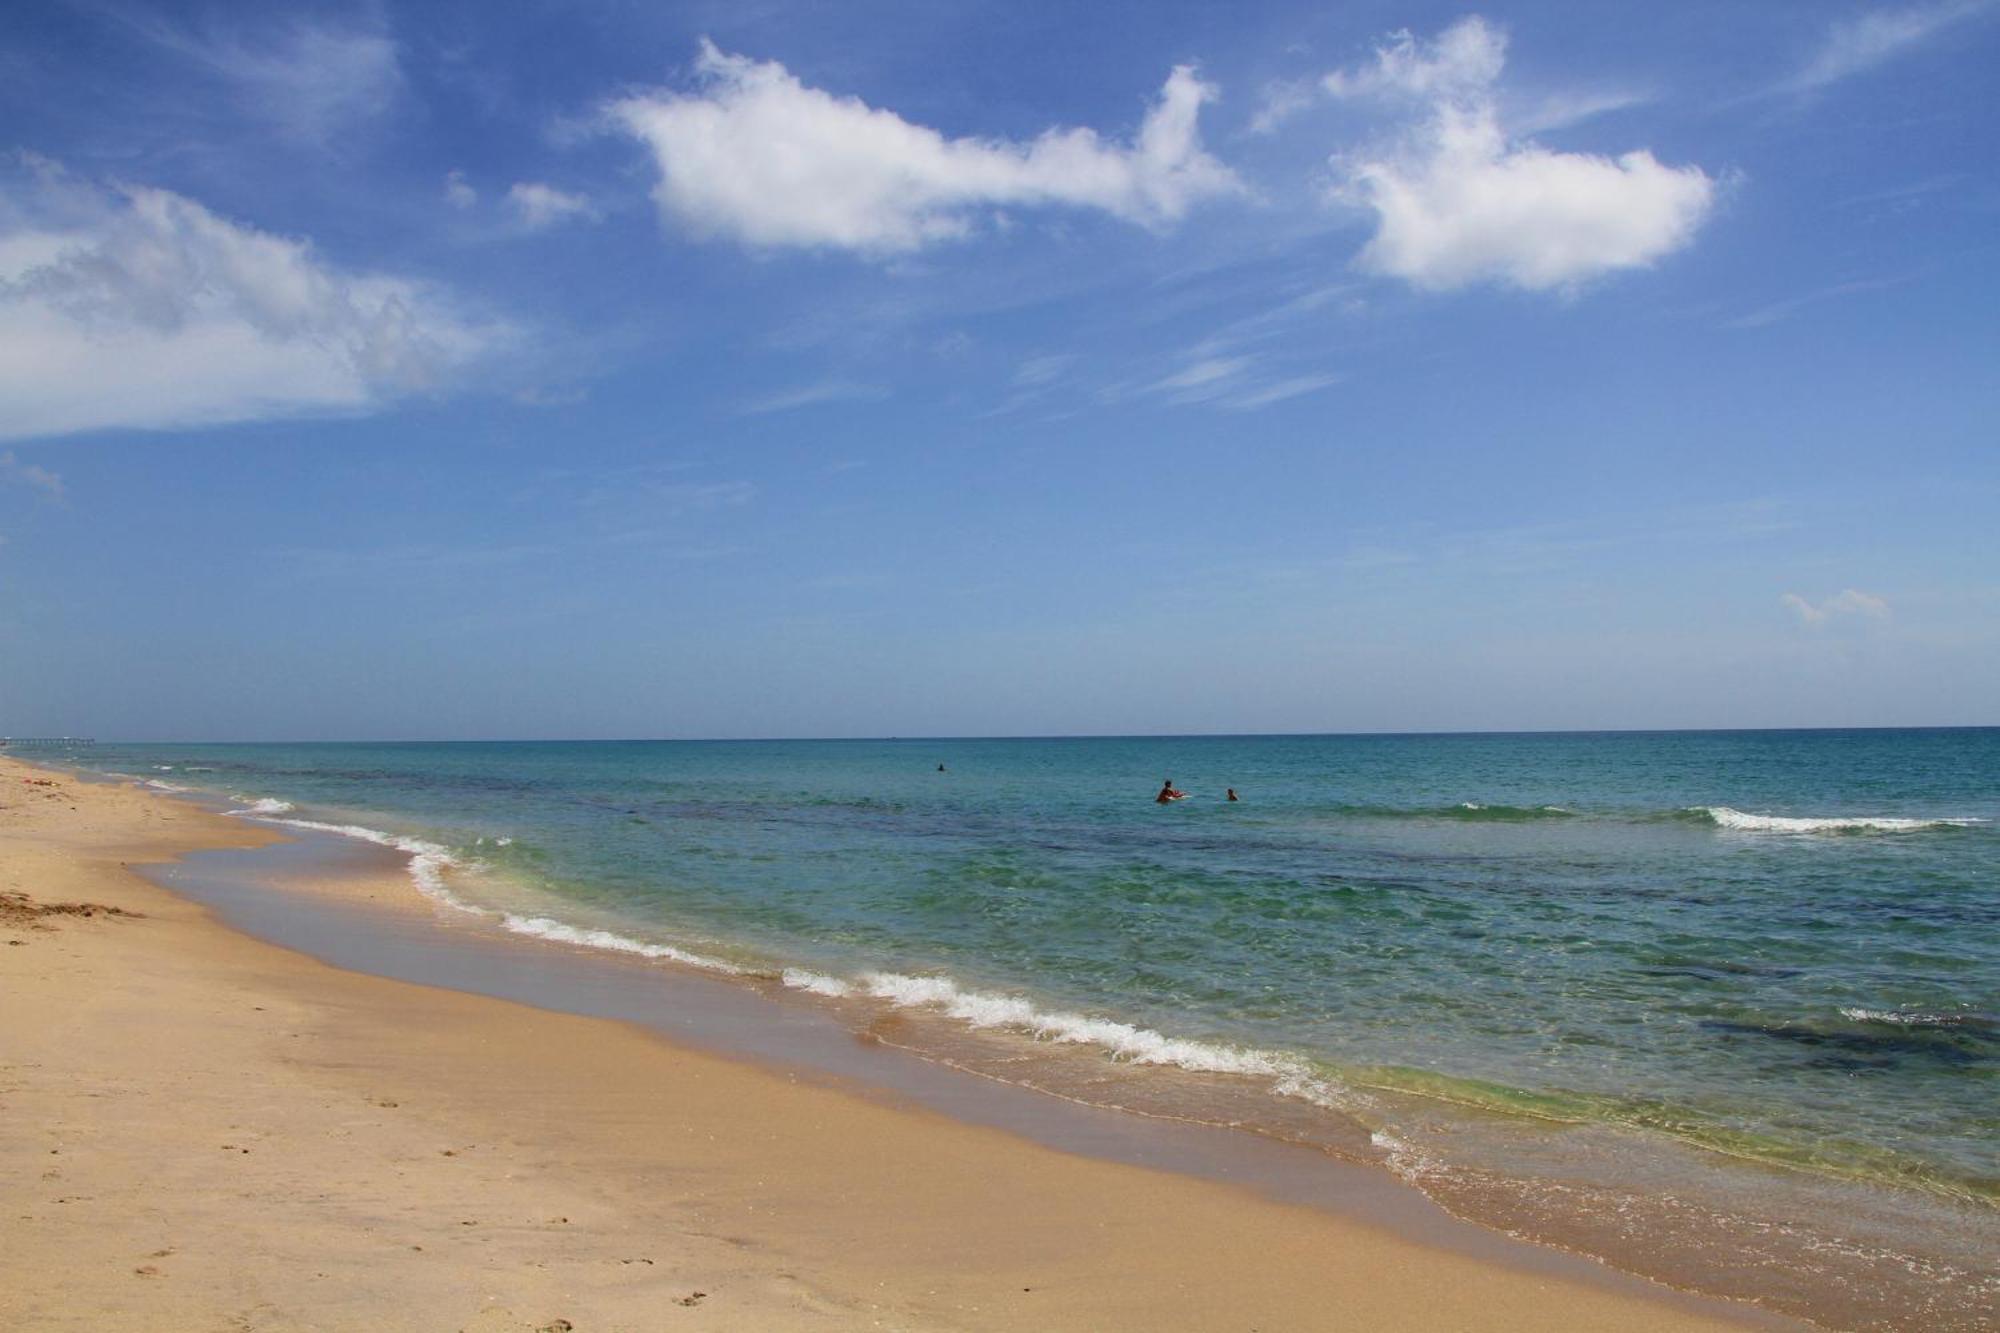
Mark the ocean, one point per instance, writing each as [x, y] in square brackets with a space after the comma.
[1720, 1007]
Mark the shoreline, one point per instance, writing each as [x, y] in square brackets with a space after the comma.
[838, 1208]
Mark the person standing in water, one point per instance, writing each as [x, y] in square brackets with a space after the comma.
[1232, 794]
[1168, 793]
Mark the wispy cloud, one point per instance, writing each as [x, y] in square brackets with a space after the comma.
[1282, 318]
[458, 192]
[756, 156]
[1779, 311]
[1566, 546]
[1277, 391]
[1849, 602]
[416, 560]
[812, 395]
[657, 488]
[1459, 199]
[1202, 379]
[700, 496]
[1237, 383]
[1046, 369]
[311, 82]
[1905, 193]
[1556, 111]
[1856, 44]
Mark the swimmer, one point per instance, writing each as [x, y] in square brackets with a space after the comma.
[1232, 794]
[1168, 793]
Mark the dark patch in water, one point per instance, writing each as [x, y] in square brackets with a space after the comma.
[1720, 971]
[1872, 1048]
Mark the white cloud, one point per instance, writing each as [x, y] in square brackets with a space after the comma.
[1463, 62]
[1457, 201]
[457, 192]
[1851, 601]
[1864, 41]
[757, 156]
[137, 307]
[541, 206]
[13, 469]
[1281, 100]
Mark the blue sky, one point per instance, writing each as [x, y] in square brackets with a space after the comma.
[459, 370]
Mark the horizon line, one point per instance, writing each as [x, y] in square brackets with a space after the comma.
[1063, 736]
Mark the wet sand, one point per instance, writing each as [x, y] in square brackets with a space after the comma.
[202, 1130]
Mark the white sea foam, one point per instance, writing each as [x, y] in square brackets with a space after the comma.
[1904, 1019]
[1404, 1158]
[166, 786]
[1289, 1075]
[818, 983]
[547, 928]
[1740, 822]
[264, 805]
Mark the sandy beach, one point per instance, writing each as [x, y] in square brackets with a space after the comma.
[200, 1130]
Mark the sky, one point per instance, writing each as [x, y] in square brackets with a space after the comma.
[457, 370]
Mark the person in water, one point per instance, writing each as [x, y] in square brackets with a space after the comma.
[1168, 793]
[1232, 793]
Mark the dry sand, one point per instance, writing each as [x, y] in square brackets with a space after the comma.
[199, 1130]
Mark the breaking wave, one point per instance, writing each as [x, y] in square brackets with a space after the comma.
[265, 805]
[1723, 816]
[428, 860]
[429, 864]
[561, 932]
[1290, 1076]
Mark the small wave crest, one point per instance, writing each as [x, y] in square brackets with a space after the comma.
[561, 932]
[1723, 816]
[1471, 812]
[1289, 1075]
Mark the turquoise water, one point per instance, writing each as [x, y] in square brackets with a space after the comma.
[1778, 947]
